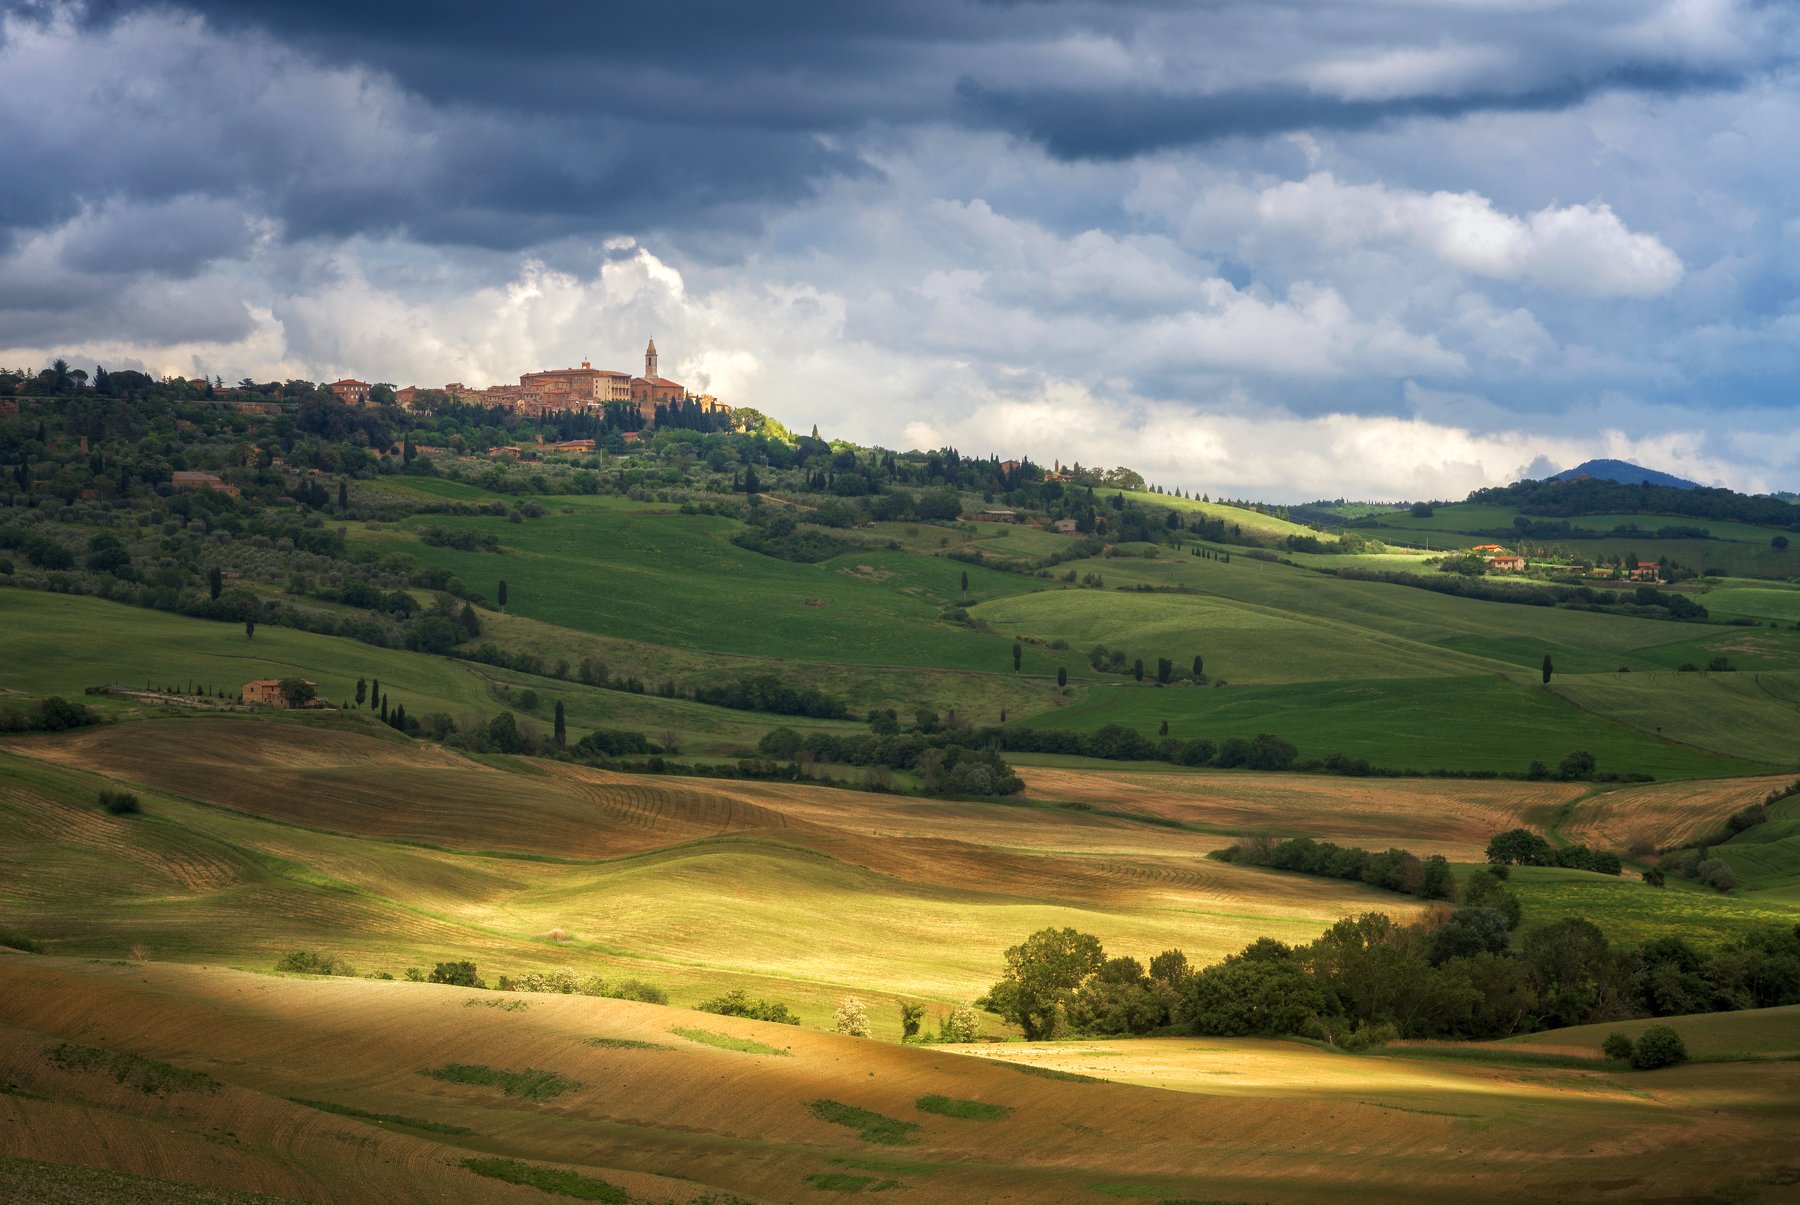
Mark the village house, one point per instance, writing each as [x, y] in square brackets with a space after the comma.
[1507, 564]
[998, 515]
[1067, 527]
[1645, 573]
[351, 391]
[1489, 549]
[267, 692]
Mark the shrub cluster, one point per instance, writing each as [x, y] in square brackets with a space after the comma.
[120, 803]
[770, 693]
[47, 715]
[565, 981]
[736, 1003]
[1522, 847]
[312, 962]
[1658, 1046]
[1393, 870]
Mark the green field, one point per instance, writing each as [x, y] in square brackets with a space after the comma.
[1486, 723]
[654, 575]
[1630, 912]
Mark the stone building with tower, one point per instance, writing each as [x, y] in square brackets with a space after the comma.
[652, 389]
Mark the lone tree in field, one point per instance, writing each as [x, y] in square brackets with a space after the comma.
[965, 585]
[502, 593]
[1548, 668]
[1198, 665]
[851, 1018]
[362, 690]
[1018, 653]
[1165, 670]
[1062, 678]
[1137, 669]
[1578, 764]
[910, 1016]
[250, 626]
[215, 582]
[561, 726]
[1042, 974]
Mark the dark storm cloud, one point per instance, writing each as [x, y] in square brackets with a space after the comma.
[527, 122]
[1118, 124]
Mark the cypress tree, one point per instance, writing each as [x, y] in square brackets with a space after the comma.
[561, 727]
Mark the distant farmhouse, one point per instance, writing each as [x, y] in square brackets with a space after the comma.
[282, 692]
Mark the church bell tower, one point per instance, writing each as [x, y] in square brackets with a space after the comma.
[650, 361]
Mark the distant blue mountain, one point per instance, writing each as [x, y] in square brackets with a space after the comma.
[1625, 473]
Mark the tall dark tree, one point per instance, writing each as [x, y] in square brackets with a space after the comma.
[561, 726]
[1062, 677]
[1018, 654]
[384, 709]
[965, 583]
[1137, 669]
[250, 626]
[375, 693]
[470, 623]
[1547, 669]
[502, 594]
[343, 494]
[362, 690]
[1198, 666]
[215, 582]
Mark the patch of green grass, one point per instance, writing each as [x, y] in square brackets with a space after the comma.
[626, 1044]
[509, 1006]
[530, 1083]
[411, 1123]
[845, 1182]
[725, 1041]
[552, 1180]
[867, 607]
[1070, 1077]
[973, 1110]
[1631, 912]
[36, 1180]
[870, 1126]
[146, 1075]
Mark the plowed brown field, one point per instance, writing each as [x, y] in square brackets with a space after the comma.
[1446, 816]
[1283, 1123]
[1663, 814]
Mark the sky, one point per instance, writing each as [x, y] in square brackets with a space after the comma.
[1270, 249]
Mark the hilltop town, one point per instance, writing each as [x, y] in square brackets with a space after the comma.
[559, 390]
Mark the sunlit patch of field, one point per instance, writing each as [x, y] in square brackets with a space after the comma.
[1447, 816]
[259, 837]
[1663, 814]
[672, 1119]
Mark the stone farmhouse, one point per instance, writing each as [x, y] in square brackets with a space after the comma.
[267, 692]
